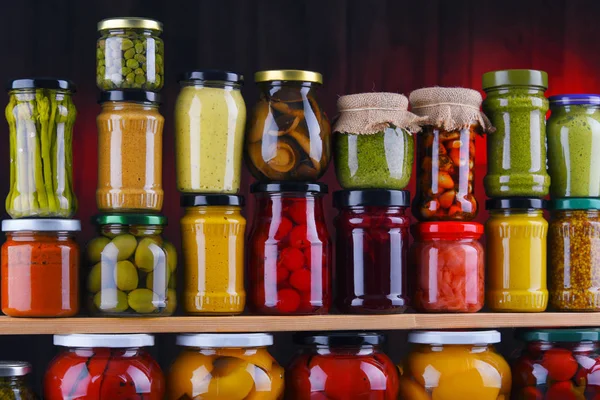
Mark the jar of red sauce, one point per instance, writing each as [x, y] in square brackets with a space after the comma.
[372, 250]
[40, 264]
[448, 263]
[341, 365]
[289, 250]
[115, 367]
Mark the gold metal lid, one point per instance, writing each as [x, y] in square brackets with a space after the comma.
[130, 23]
[288, 75]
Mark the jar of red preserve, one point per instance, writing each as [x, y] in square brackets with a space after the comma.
[289, 250]
[341, 365]
[114, 367]
[372, 250]
[558, 364]
[448, 263]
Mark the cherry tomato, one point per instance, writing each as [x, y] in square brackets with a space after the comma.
[288, 300]
[301, 280]
[561, 391]
[297, 211]
[292, 258]
[298, 237]
[560, 363]
[284, 227]
[282, 274]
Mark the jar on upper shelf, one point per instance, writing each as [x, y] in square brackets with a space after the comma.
[289, 136]
[130, 54]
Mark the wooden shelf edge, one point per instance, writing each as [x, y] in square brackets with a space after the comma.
[35, 326]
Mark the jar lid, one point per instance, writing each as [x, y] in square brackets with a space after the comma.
[211, 75]
[454, 337]
[138, 96]
[277, 187]
[515, 77]
[109, 341]
[130, 23]
[41, 225]
[559, 335]
[288, 75]
[576, 203]
[225, 340]
[523, 203]
[449, 229]
[14, 368]
[574, 99]
[339, 339]
[131, 219]
[194, 200]
[375, 197]
[41, 83]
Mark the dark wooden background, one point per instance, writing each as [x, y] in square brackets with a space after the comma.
[358, 45]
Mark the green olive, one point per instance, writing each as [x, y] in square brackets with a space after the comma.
[95, 247]
[171, 256]
[126, 245]
[171, 301]
[143, 301]
[94, 279]
[149, 254]
[126, 276]
[111, 300]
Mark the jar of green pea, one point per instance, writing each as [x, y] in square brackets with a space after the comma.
[130, 54]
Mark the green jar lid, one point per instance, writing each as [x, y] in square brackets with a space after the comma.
[576, 203]
[515, 77]
[559, 335]
[131, 219]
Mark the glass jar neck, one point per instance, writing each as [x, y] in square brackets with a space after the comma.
[573, 213]
[574, 108]
[88, 352]
[583, 346]
[141, 230]
[290, 195]
[533, 213]
[211, 84]
[361, 350]
[125, 31]
[523, 90]
[474, 348]
[204, 210]
[129, 106]
[31, 235]
[19, 381]
[376, 209]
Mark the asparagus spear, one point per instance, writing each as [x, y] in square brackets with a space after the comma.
[71, 116]
[36, 183]
[12, 127]
[45, 198]
[23, 200]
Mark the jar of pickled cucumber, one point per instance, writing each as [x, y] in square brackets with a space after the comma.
[131, 267]
[130, 54]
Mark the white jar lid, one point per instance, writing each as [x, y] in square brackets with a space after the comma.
[454, 337]
[41, 225]
[109, 341]
[217, 340]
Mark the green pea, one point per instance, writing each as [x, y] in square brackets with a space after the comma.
[99, 54]
[125, 71]
[171, 256]
[95, 247]
[140, 79]
[133, 64]
[101, 62]
[140, 58]
[129, 54]
[139, 47]
[100, 80]
[159, 59]
[130, 78]
[101, 44]
[139, 71]
[127, 44]
[144, 67]
[126, 245]
[111, 300]
[157, 81]
[149, 254]
[126, 276]
[136, 85]
[143, 301]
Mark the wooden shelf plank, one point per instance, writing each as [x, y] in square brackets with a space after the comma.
[31, 326]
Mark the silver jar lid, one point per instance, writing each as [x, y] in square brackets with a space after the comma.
[41, 225]
[225, 340]
[14, 368]
[108, 341]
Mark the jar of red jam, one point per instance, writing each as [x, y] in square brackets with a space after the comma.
[448, 263]
[372, 250]
[289, 256]
[341, 365]
[112, 367]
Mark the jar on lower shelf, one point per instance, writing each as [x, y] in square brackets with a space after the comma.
[14, 384]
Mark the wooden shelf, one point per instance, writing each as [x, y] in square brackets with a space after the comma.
[31, 326]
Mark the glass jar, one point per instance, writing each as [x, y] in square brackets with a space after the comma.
[516, 151]
[516, 235]
[210, 119]
[212, 233]
[132, 269]
[225, 366]
[40, 268]
[130, 129]
[14, 384]
[557, 364]
[448, 264]
[341, 365]
[574, 259]
[445, 165]
[372, 251]
[573, 144]
[130, 54]
[289, 136]
[115, 367]
[455, 365]
[40, 115]
[289, 257]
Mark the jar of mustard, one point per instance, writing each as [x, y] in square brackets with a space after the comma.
[212, 232]
[210, 119]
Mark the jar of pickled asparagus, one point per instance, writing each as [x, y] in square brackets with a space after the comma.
[40, 116]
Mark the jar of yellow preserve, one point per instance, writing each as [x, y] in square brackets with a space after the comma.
[455, 365]
[212, 235]
[516, 235]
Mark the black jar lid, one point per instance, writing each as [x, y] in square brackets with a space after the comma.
[276, 187]
[520, 203]
[211, 75]
[374, 197]
[41, 83]
[138, 96]
[339, 339]
[196, 200]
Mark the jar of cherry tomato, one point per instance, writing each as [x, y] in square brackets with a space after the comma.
[558, 364]
[372, 250]
[112, 367]
[289, 250]
[449, 267]
[341, 365]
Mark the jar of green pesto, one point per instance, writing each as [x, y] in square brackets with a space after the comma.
[516, 151]
[373, 142]
[13, 381]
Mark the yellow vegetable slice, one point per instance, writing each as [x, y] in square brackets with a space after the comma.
[189, 375]
[410, 390]
[232, 380]
[465, 385]
[259, 357]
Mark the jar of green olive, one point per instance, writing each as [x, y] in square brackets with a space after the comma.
[574, 254]
[130, 54]
[131, 267]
